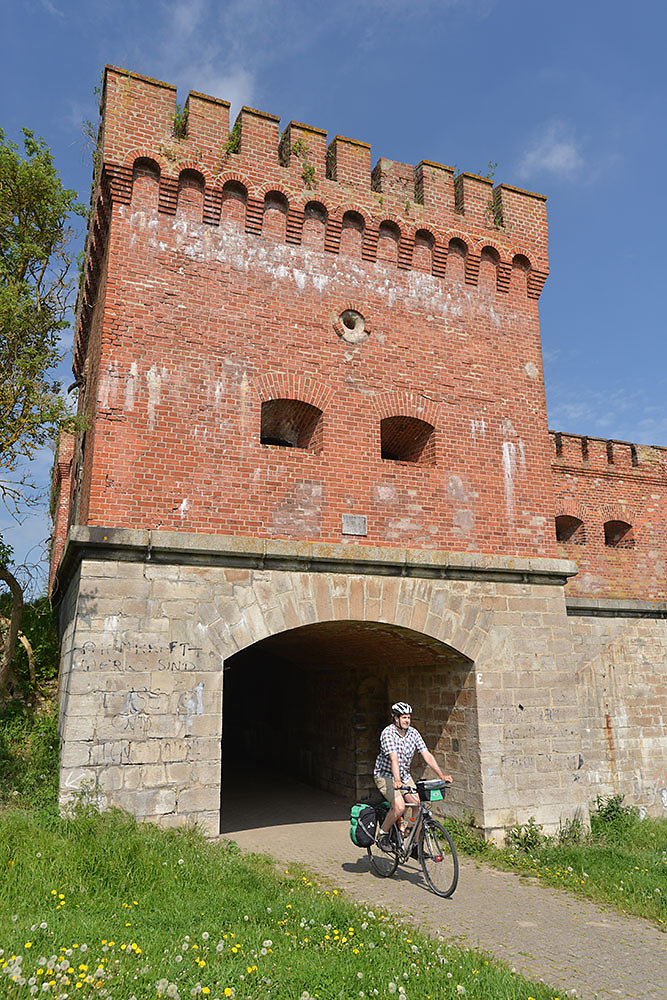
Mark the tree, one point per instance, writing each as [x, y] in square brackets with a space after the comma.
[36, 284]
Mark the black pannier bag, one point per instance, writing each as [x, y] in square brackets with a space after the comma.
[363, 823]
[432, 791]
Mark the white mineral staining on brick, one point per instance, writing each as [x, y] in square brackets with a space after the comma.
[154, 381]
[130, 387]
[478, 427]
[184, 507]
[109, 383]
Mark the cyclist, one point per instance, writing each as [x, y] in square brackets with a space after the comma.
[398, 743]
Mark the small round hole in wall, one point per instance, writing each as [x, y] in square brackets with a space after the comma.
[352, 326]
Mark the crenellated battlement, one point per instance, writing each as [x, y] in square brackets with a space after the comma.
[417, 217]
[139, 115]
[601, 455]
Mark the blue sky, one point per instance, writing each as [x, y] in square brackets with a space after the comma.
[567, 98]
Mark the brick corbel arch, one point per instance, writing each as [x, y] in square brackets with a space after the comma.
[286, 385]
[405, 404]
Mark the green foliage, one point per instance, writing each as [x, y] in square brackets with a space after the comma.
[572, 831]
[166, 907]
[180, 122]
[28, 756]
[621, 860]
[234, 140]
[39, 623]
[610, 815]
[35, 287]
[525, 838]
[301, 150]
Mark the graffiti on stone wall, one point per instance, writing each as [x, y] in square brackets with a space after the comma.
[122, 655]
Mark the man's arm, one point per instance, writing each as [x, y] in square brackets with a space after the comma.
[395, 771]
[432, 762]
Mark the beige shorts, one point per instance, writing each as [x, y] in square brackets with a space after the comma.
[385, 783]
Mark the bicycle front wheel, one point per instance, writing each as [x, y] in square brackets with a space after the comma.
[383, 863]
[437, 856]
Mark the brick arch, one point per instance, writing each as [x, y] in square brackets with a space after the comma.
[427, 607]
[341, 210]
[403, 231]
[483, 244]
[165, 165]
[286, 385]
[573, 508]
[407, 404]
[279, 188]
[232, 175]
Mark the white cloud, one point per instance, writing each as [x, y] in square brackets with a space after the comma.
[553, 149]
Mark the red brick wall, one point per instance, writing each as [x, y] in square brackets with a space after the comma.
[211, 307]
[600, 481]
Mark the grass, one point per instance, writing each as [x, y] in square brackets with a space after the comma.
[621, 861]
[104, 906]
[101, 905]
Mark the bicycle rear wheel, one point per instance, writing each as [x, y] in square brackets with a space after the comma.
[437, 856]
[382, 863]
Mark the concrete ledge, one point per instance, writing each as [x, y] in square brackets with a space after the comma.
[187, 548]
[590, 607]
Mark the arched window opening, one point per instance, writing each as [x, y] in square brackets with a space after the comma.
[407, 439]
[145, 183]
[388, 237]
[456, 255]
[234, 201]
[352, 233]
[422, 255]
[291, 423]
[619, 535]
[275, 215]
[314, 224]
[521, 262]
[570, 530]
[488, 268]
[353, 220]
[191, 194]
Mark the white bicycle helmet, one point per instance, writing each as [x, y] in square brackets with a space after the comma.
[401, 708]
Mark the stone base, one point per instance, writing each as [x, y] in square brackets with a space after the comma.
[313, 647]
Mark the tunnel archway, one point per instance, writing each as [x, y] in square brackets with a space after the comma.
[309, 703]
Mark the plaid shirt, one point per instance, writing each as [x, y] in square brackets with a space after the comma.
[391, 741]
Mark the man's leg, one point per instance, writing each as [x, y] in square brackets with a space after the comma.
[397, 804]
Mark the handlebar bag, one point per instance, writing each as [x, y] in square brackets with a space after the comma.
[363, 824]
[432, 791]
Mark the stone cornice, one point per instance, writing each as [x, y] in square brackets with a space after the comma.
[313, 557]
[589, 607]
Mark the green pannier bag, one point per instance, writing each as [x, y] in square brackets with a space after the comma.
[363, 823]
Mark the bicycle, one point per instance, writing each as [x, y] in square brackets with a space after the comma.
[435, 849]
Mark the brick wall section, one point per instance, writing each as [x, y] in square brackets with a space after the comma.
[196, 315]
[60, 498]
[598, 481]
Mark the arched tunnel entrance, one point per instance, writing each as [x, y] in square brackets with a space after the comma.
[309, 704]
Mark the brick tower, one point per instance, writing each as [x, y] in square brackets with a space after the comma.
[317, 463]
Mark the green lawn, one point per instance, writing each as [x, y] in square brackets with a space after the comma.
[622, 860]
[101, 905]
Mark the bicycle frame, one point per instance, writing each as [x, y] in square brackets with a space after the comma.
[406, 845]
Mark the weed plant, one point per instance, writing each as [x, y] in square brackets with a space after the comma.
[104, 906]
[621, 860]
[29, 755]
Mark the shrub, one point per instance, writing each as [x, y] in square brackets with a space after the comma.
[29, 755]
[525, 838]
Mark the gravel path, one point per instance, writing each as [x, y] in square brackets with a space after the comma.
[543, 933]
